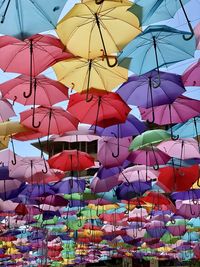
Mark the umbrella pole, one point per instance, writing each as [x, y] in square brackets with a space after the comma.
[170, 117]
[5, 12]
[156, 85]
[34, 100]
[98, 109]
[88, 82]
[156, 167]
[196, 130]
[151, 95]
[31, 71]
[188, 22]
[116, 136]
[104, 47]
[14, 161]
[48, 132]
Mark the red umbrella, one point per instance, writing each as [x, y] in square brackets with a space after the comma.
[47, 92]
[51, 120]
[31, 56]
[178, 179]
[103, 109]
[71, 160]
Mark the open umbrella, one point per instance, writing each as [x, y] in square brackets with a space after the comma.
[190, 77]
[157, 46]
[44, 16]
[96, 25]
[37, 53]
[156, 10]
[104, 109]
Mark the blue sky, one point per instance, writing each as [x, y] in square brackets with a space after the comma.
[192, 8]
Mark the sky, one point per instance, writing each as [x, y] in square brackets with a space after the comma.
[192, 9]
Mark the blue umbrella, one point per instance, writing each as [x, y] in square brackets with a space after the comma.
[157, 46]
[23, 18]
[158, 10]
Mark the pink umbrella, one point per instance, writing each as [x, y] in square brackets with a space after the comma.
[51, 120]
[197, 35]
[138, 173]
[6, 156]
[107, 146]
[181, 110]
[31, 56]
[46, 91]
[27, 167]
[181, 149]
[6, 110]
[188, 208]
[103, 185]
[149, 157]
[191, 75]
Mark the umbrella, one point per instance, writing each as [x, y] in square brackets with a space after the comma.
[103, 185]
[157, 46]
[107, 147]
[182, 109]
[46, 91]
[131, 127]
[156, 10]
[177, 179]
[44, 16]
[37, 53]
[104, 109]
[197, 35]
[82, 74]
[183, 148]
[149, 138]
[71, 160]
[97, 25]
[187, 209]
[190, 77]
[6, 110]
[168, 89]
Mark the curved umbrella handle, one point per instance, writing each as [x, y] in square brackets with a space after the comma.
[156, 167]
[98, 2]
[14, 160]
[29, 93]
[171, 131]
[15, 98]
[103, 43]
[105, 55]
[116, 136]
[172, 221]
[33, 120]
[45, 165]
[186, 37]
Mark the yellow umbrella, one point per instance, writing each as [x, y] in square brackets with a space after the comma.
[82, 74]
[101, 1]
[11, 127]
[91, 30]
[4, 142]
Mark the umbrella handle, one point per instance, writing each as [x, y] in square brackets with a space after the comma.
[156, 85]
[33, 120]
[116, 136]
[88, 82]
[172, 221]
[5, 12]
[105, 55]
[14, 160]
[29, 93]
[186, 37]
[98, 2]
[171, 131]
[103, 43]
[45, 166]
[151, 95]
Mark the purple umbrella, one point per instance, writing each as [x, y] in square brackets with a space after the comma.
[69, 186]
[193, 194]
[103, 185]
[149, 157]
[144, 91]
[188, 209]
[127, 191]
[107, 146]
[131, 127]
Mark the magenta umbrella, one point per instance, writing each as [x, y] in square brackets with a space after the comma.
[191, 75]
[186, 148]
[6, 110]
[31, 56]
[188, 208]
[103, 185]
[149, 157]
[181, 110]
[138, 173]
[197, 35]
[108, 145]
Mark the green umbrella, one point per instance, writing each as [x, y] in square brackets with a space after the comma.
[75, 224]
[149, 138]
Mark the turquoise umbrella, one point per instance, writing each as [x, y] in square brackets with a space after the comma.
[158, 46]
[23, 18]
[158, 10]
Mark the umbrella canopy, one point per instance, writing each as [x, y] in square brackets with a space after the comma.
[149, 138]
[6, 110]
[157, 46]
[140, 91]
[104, 109]
[11, 127]
[71, 160]
[177, 179]
[97, 25]
[182, 148]
[44, 16]
[46, 91]
[82, 74]
[50, 120]
[190, 76]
